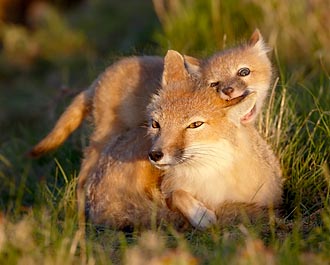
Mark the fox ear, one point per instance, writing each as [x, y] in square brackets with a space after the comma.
[237, 111]
[256, 40]
[174, 68]
[192, 65]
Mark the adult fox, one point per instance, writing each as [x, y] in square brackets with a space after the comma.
[206, 164]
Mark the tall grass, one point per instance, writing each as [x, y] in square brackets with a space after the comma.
[299, 29]
[38, 218]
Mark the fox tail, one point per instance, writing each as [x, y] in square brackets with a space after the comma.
[67, 123]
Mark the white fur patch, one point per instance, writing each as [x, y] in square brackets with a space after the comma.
[205, 176]
[201, 217]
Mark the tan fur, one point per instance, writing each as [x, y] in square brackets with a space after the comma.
[68, 122]
[219, 162]
[117, 99]
[123, 189]
[204, 170]
[222, 69]
[121, 95]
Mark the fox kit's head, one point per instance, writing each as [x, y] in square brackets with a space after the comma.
[186, 119]
[240, 70]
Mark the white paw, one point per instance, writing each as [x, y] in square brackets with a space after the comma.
[201, 217]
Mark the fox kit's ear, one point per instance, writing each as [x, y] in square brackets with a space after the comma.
[174, 68]
[257, 41]
[192, 65]
[239, 110]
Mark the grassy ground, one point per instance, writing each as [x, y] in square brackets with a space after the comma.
[38, 219]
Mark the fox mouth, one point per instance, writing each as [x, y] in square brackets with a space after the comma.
[166, 166]
[162, 166]
[249, 116]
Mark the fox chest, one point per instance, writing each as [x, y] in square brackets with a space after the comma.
[211, 188]
[207, 185]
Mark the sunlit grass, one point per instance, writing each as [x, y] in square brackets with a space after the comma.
[47, 229]
[38, 217]
[299, 29]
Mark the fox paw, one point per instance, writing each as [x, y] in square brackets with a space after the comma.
[202, 218]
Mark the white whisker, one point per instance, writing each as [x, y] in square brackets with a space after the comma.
[201, 156]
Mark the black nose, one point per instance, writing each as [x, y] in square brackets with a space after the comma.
[156, 155]
[227, 90]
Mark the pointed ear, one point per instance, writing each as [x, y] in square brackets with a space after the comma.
[174, 68]
[256, 40]
[238, 111]
[192, 65]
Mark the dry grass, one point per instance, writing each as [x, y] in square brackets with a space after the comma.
[299, 30]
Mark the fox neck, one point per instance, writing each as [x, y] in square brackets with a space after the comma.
[208, 172]
[217, 176]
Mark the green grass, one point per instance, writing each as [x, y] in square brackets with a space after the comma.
[38, 217]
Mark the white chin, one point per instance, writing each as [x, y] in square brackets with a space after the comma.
[161, 166]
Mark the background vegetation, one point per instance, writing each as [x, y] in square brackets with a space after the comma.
[56, 48]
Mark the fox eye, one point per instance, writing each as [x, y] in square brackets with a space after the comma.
[243, 71]
[214, 84]
[195, 124]
[155, 124]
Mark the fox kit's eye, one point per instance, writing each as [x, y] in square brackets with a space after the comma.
[243, 71]
[214, 84]
[155, 124]
[195, 124]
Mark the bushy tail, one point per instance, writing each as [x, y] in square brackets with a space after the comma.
[67, 123]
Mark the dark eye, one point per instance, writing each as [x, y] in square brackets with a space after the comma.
[243, 71]
[155, 124]
[214, 84]
[195, 124]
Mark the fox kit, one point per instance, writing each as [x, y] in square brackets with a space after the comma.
[241, 70]
[204, 161]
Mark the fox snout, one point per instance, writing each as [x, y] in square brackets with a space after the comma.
[158, 159]
[227, 91]
[155, 155]
[164, 159]
[230, 92]
[231, 89]
[167, 149]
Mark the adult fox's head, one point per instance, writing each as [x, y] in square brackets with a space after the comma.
[187, 120]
